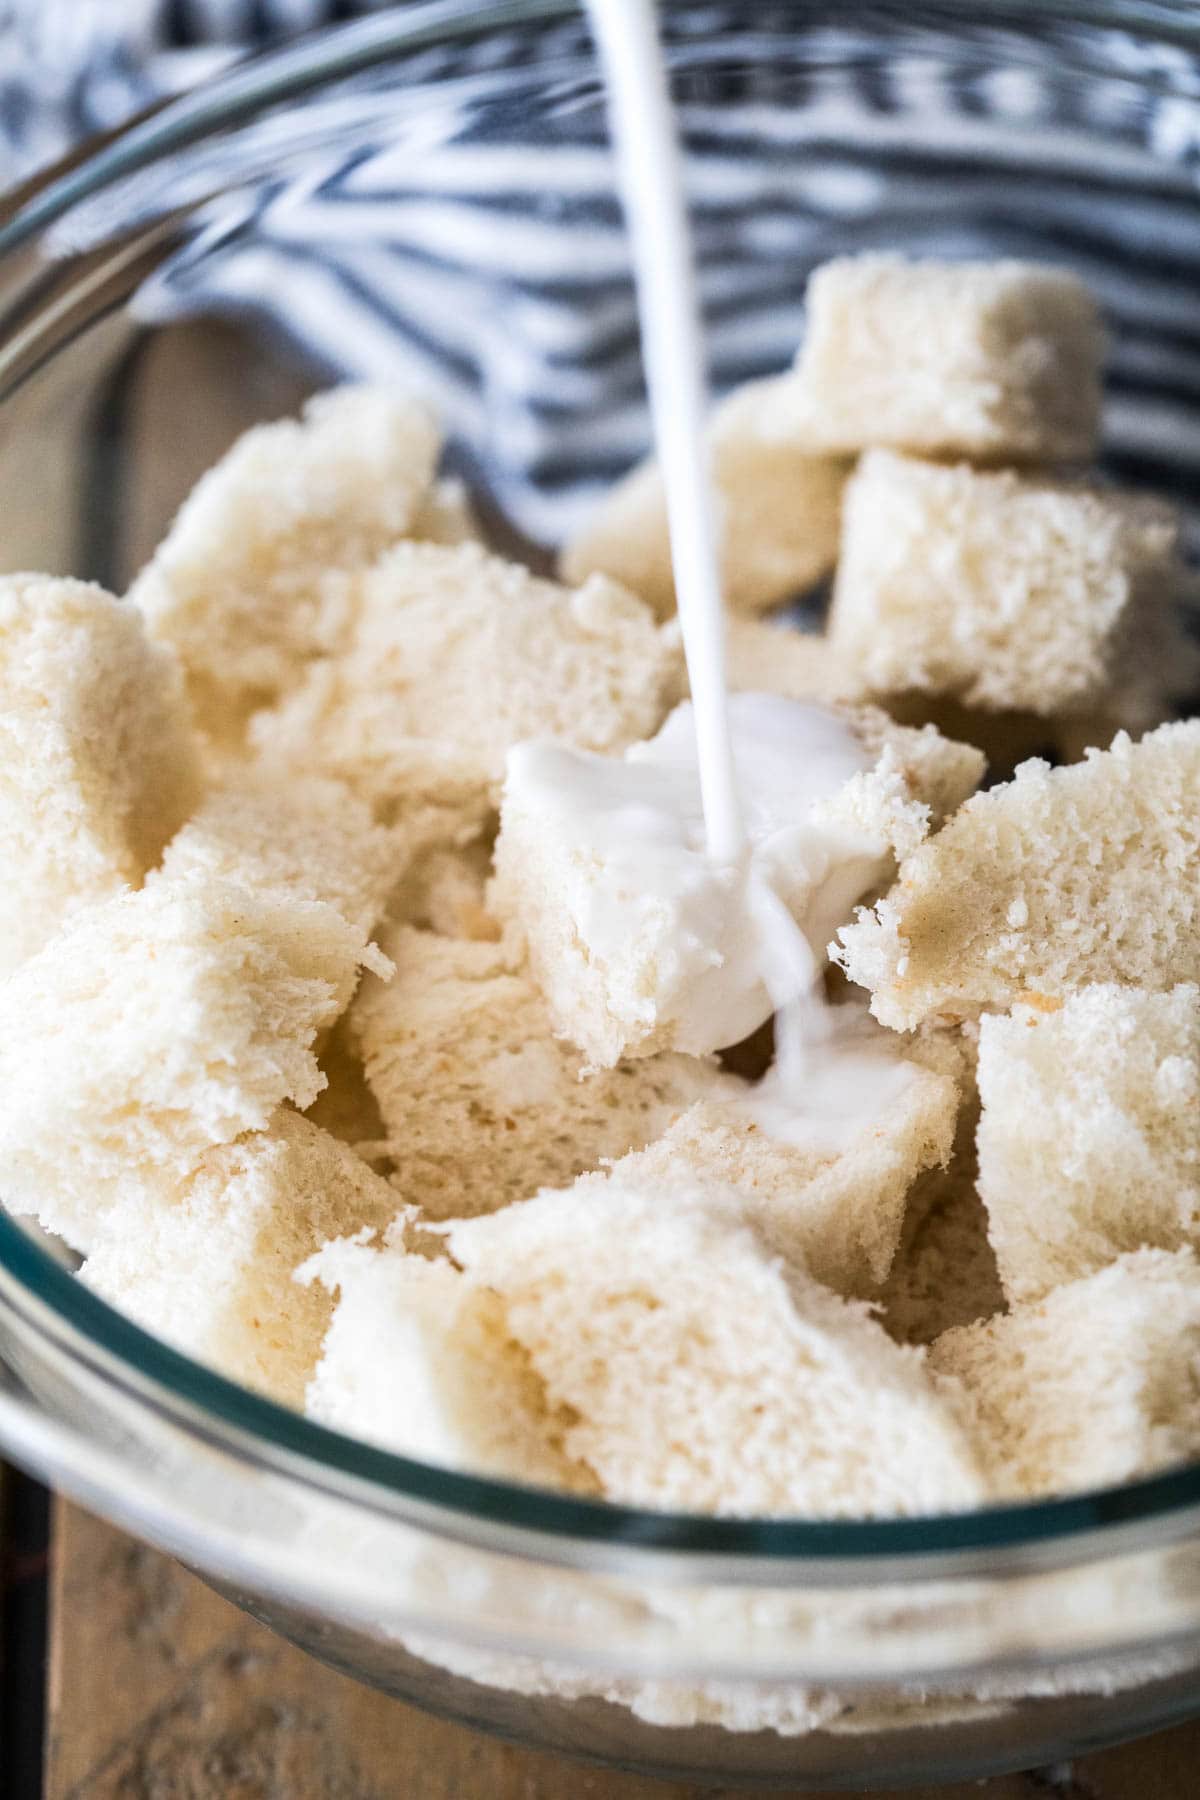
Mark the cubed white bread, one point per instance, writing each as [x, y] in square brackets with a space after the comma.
[208, 1262]
[1093, 1384]
[419, 1360]
[778, 517]
[99, 767]
[993, 361]
[310, 838]
[698, 1371]
[825, 1181]
[944, 1274]
[1058, 879]
[446, 516]
[456, 656]
[1000, 590]
[631, 993]
[255, 576]
[1089, 1143]
[154, 1026]
[775, 659]
[482, 1105]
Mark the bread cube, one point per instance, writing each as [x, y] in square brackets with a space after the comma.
[1093, 1384]
[255, 577]
[1056, 880]
[311, 839]
[778, 516]
[418, 1359]
[1089, 1143]
[456, 656]
[1000, 590]
[99, 764]
[944, 1273]
[156, 1025]
[804, 666]
[481, 1103]
[824, 1172]
[639, 943]
[992, 361]
[698, 1371]
[207, 1262]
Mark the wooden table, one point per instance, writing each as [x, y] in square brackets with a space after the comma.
[158, 1690]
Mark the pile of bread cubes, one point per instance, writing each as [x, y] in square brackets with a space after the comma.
[287, 1051]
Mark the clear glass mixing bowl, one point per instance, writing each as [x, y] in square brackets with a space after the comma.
[427, 193]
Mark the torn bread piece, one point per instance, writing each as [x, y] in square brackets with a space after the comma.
[1089, 1143]
[419, 1360]
[1093, 1384]
[805, 666]
[309, 838]
[207, 1262]
[99, 766]
[1059, 879]
[824, 1171]
[482, 1105]
[638, 940]
[1000, 590]
[778, 515]
[156, 1025]
[699, 1371]
[1009, 372]
[456, 656]
[255, 577]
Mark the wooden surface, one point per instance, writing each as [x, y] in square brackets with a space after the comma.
[161, 1691]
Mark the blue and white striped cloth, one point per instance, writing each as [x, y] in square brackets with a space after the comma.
[496, 276]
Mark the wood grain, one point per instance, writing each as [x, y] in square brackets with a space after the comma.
[159, 1690]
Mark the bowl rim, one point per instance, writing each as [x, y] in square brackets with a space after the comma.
[1074, 1527]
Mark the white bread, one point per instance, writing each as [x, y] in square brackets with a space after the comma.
[778, 515]
[1000, 590]
[995, 361]
[99, 764]
[481, 1103]
[1058, 879]
[831, 1199]
[944, 1273]
[455, 656]
[1095, 1383]
[255, 576]
[419, 1360]
[207, 1263]
[805, 666]
[699, 1372]
[629, 996]
[309, 838]
[154, 1026]
[1089, 1143]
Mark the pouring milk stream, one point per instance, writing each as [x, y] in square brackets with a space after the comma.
[714, 814]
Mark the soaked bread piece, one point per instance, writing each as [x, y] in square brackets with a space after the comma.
[779, 514]
[1089, 1143]
[991, 361]
[1056, 880]
[99, 767]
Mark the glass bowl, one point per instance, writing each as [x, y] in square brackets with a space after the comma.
[427, 194]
